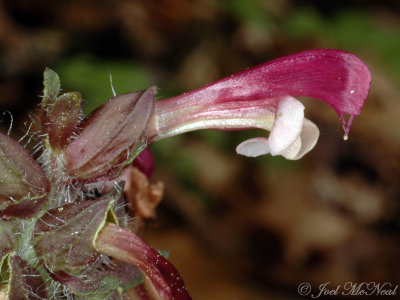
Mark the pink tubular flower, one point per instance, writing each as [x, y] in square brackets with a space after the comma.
[260, 97]
[263, 97]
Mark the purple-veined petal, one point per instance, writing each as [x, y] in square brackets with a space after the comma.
[161, 277]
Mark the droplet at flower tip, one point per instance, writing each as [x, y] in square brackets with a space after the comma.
[77, 239]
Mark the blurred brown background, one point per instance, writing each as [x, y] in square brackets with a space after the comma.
[237, 228]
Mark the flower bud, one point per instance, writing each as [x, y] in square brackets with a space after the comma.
[111, 137]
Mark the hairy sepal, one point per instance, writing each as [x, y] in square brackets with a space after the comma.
[64, 117]
[111, 137]
[24, 185]
[101, 285]
[24, 281]
[51, 83]
[8, 237]
[91, 287]
[64, 236]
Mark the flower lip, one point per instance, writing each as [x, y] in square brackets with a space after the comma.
[285, 132]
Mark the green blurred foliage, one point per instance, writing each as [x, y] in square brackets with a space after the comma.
[91, 76]
[249, 12]
[352, 30]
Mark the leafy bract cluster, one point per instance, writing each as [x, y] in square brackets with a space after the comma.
[65, 230]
